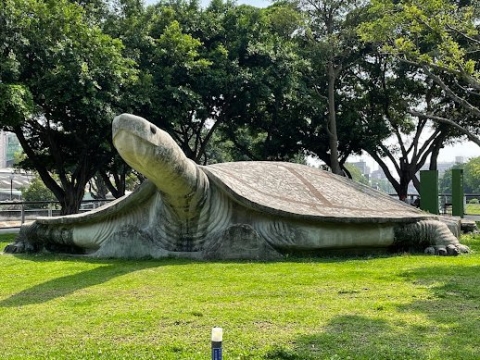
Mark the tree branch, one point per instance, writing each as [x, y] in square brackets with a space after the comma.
[469, 38]
[462, 102]
[472, 137]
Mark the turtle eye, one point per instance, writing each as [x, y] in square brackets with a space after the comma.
[153, 130]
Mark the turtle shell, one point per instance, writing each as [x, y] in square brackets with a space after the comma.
[303, 192]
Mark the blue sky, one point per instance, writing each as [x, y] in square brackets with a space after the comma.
[258, 3]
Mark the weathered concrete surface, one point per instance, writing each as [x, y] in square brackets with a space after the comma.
[303, 192]
[244, 210]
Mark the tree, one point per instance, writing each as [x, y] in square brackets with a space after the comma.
[332, 45]
[426, 38]
[391, 86]
[356, 174]
[69, 78]
[440, 38]
[471, 176]
[251, 91]
[272, 110]
[228, 73]
[37, 191]
[268, 110]
[171, 63]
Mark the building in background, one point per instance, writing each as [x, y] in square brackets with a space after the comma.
[460, 160]
[9, 145]
[11, 181]
[362, 166]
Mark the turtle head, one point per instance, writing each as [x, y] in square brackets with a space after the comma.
[140, 143]
[154, 153]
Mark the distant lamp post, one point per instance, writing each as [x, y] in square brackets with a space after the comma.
[12, 176]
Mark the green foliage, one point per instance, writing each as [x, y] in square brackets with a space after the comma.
[383, 185]
[356, 174]
[221, 73]
[16, 104]
[37, 191]
[445, 181]
[412, 89]
[440, 39]
[61, 90]
[331, 45]
[425, 31]
[178, 49]
[472, 208]
[471, 175]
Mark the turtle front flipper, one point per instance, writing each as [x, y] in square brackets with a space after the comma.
[432, 236]
[25, 242]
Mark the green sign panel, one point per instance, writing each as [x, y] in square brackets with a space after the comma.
[429, 191]
[457, 193]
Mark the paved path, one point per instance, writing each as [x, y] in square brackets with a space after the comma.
[472, 217]
[9, 224]
[12, 230]
[10, 227]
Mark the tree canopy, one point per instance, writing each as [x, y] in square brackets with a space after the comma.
[440, 38]
[330, 78]
[62, 82]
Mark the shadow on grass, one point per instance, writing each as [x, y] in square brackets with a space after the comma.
[454, 305]
[462, 282]
[351, 337]
[66, 285]
[452, 309]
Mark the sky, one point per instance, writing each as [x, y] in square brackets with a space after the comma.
[466, 149]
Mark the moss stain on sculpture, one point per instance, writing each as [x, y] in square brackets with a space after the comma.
[243, 210]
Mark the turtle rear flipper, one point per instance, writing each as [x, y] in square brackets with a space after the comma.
[433, 236]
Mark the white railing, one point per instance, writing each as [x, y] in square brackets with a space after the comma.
[30, 210]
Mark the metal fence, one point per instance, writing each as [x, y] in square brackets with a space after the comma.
[471, 202]
[29, 210]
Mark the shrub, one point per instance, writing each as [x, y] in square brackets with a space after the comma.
[37, 191]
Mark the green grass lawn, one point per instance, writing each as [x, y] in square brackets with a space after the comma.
[472, 209]
[381, 307]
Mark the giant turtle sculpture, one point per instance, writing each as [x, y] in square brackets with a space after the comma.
[249, 210]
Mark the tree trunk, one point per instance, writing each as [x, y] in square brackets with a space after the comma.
[406, 173]
[70, 194]
[332, 120]
[402, 187]
[120, 178]
[72, 200]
